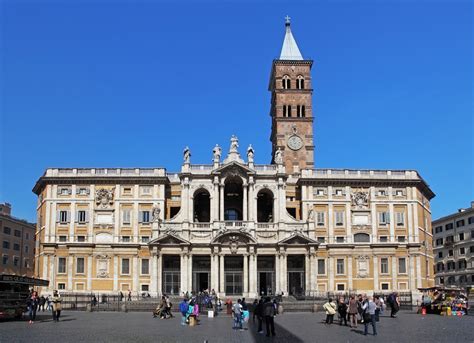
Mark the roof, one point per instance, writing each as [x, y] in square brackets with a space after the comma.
[290, 50]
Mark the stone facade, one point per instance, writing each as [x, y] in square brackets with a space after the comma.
[238, 227]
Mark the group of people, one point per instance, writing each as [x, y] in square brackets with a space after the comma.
[189, 309]
[164, 308]
[240, 315]
[365, 309]
[34, 303]
[265, 310]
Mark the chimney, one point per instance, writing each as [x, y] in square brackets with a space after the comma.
[6, 209]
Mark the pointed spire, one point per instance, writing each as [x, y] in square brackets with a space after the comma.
[289, 50]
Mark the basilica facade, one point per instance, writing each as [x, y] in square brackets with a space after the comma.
[235, 226]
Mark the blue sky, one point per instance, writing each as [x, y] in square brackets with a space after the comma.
[129, 84]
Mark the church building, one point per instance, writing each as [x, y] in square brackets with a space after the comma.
[240, 228]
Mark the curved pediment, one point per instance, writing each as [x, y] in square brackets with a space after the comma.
[232, 237]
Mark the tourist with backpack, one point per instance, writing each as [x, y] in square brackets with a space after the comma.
[330, 307]
[183, 308]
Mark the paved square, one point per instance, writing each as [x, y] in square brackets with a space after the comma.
[290, 327]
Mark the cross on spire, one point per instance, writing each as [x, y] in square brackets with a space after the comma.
[287, 20]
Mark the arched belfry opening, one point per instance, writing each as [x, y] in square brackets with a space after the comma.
[233, 198]
[202, 206]
[265, 206]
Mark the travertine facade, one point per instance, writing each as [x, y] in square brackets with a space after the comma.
[235, 226]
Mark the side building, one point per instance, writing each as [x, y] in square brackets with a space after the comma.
[17, 237]
[235, 226]
[454, 249]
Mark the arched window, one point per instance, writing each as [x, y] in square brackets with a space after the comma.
[233, 198]
[451, 280]
[303, 111]
[289, 111]
[202, 206]
[286, 82]
[361, 238]
[300, 82]
[265, 206]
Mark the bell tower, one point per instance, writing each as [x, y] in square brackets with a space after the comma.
[291, 106]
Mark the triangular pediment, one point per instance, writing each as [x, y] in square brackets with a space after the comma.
[169, 239]
[298, 238]
[233, 168]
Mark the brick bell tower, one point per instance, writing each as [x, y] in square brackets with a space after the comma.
[291, 106]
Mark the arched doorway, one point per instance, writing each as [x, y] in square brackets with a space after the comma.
[265, 206]
[233, 199]
[202, 206]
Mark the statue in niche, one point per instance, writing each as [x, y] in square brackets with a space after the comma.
[234, 144]
[217, 153]
[156, 214]
[187, 155]
[278, 156]
[250, 154]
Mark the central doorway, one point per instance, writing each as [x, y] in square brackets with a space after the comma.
[201, 273]
[266, 275]
[233, 272]
[296, 275]
[171, 277]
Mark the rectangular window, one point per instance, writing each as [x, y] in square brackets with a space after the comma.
[439, 242]
[26, 264]
[321, 266]
[17, 233]
[340, 266]
[145, 288]
[462, 251]
[64, 191]
[146, 190]
[145, 239]
[401, 239]
[61, 265]
[80, 265]
[400, 217]
[384, 218]
[398, 192]
[15, 261]
[402, 265]
[7, 230]
[27, 249]
[145, 217]
[320, 220]
[339, 239]
[125, 266]
[440, 254]
[127, 191]
[470, 220]
[61, 285]
[27, 236]
[471, 249]
[82, 191]
[449, 226]
[338, 192]
[384, 265]
[5, 259]
[340, 286]
[145, 266]
[320, 192]
[384, 286]
[460, 223]
[449, 239]
[16, 246]
[6, 245]
[450, 252]
[321, 239]
[339, 218]
[383, 239]
[461, 236]
[126, 216]
[81, 216]
[126, 239]
[63, 238]
[81, 238]
[382, 192]
[63, 217]
[438, 229]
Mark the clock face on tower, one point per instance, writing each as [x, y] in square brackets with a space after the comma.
[295, 142]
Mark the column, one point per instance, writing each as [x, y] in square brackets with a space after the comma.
[373, 214]
[45, 266]
[415, 219]
[246, 275]
[72, 221]
[376, 272]
[48, 222]
[221, 202]
[245, 205]
[278, 275]
[190, 273]
[116, 271]
[330, 223]
[418, 272]
[253, 275]
[307, 272]
[135, 222]
[135, 280]
[89, 272]
[349, 273]
[394, 272]
[52, 272]
[392, 222]
[251, 196]
[411, 266]
[153, 275]
[349, 236]
[283, 269]
[331, 273]
[214, 272]
[221, 275]
[410, 223]
[184, 273]
[70, 271]
[314, 273]
[159, 271]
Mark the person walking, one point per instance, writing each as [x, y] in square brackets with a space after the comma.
[237, 312]
[56, 300]
[369, 308]
[353, 311]
[129, 295]
[378, 305]
[254, 307]
[269, 313]
[394, 302]
[342, 310]
[32, 305]
[259, 313]
[183, 308]
[42, 302]
[330, 308]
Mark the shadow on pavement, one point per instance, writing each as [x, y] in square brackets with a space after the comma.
[282, 334]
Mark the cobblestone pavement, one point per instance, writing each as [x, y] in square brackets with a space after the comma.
[290, 327]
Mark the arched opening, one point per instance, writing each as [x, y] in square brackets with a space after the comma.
[202, 206]
[361, 238]
[300, 82]
[265, 206]
[233, 199]
[286, 82]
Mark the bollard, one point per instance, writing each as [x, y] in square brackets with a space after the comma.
[280, 309]
[315, 308]
[124, 308]
[89, 308]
